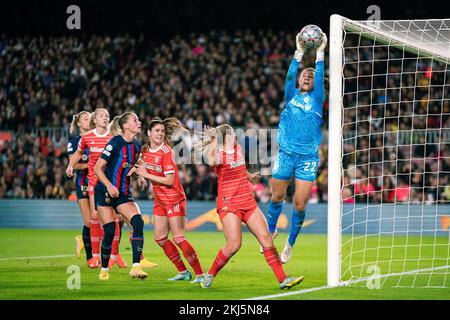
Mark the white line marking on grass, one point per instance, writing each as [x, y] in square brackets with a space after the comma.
[37, 257]
[279, 295]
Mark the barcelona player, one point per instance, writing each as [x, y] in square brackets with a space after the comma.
[299, 138]
[81, 123]
[158, 165]
[236, 203]
[112, 193]
[94, 142]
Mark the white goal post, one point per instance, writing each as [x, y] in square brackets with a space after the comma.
[389, 152]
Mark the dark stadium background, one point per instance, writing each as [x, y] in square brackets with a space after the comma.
[161, 19]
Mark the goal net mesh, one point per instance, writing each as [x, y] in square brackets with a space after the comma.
[396, 153]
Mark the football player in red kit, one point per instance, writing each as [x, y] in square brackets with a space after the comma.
[236, 203]
[157, 164]
[94, 141]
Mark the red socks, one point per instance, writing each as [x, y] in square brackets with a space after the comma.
[189, 253]
[116, 241]
[273, 260]
[172, 253]
[221, 259]
[97, 234]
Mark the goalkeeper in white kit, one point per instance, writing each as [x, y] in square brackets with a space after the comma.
[299, 138]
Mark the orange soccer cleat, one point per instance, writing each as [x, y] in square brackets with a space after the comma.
[120, 262]
[112, 262]
[94, 262]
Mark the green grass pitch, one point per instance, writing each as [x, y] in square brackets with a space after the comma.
[245, 276]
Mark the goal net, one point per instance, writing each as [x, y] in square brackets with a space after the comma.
[389, 153]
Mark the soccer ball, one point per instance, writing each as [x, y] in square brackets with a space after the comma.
[312, 36]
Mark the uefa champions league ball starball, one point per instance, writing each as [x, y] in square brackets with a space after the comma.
[312, 36]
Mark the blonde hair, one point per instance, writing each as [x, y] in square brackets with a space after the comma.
[171, 125]
[74, 124]
[94, 114]
[116, 126]
[210, 134]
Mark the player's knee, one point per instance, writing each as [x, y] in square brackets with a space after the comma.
[278, 196]
[300, 204]
[266, 241]
[233, 246]
[138, 225]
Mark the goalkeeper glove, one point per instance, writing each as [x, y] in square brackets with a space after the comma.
[320, 54]
[298, 55]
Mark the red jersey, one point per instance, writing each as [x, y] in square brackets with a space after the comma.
[161, 162]
[95, 144]
[234, 188]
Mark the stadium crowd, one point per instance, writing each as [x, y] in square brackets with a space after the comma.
[220, 77]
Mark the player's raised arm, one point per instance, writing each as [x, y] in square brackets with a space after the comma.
[291, 77]
[319, 87]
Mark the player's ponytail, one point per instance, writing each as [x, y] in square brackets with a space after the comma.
[209, 135]
[116, 126]
[73, 129]
[172, 126]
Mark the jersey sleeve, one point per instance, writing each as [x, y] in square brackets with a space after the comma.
[82, 144]
[110, 149]
[72, 146]
[291, 78]
[319, 90]
[169, 163]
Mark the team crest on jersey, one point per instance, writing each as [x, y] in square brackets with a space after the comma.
[126, 165]
[84, 157]
[308, 107]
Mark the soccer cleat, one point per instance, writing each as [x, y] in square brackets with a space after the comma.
[181, 276]
[207, 281]
[147, 264]
[104, 275]
[286, 253]
[94, 262]
[112, 262]
[138, 273]
[198, 279]
[290, 282]
[121, 263]
[273, 235]
[79, 245]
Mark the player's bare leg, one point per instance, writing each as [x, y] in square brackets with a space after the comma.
[161, 233]
[302, 192]
[233, 235]
[258, 227]
[177, 225]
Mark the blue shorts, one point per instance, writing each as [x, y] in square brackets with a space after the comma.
[103, 199]
[304, 166]
[82, 192]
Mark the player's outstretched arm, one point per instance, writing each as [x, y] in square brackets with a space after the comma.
[319, 89]
[291, 77]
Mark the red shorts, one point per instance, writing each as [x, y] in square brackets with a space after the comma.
[176, 210]
[243, 214]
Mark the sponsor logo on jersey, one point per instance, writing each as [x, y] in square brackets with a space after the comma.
[153, 167]
[306, 107]
[109, 147]
[96, 149]
[237, 164]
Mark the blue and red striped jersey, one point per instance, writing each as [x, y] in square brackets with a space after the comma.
[81, 177]
[120, 156]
